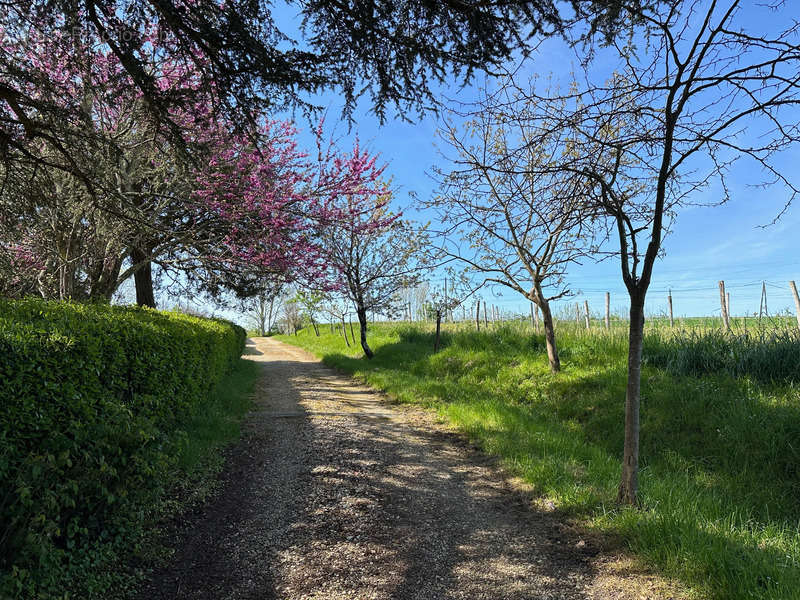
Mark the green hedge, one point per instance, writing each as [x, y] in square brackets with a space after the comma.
[89, 396]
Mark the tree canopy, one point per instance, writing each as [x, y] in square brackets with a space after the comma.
[394, 53]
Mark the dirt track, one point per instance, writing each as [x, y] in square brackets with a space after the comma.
[334, 494]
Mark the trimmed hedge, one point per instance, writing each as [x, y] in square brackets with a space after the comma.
[89, 396]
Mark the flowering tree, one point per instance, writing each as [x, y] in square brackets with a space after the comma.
[240, 208]
[222, 209]
[370, 252]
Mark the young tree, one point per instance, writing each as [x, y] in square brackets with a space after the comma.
[371, 253]
[443, 301]
[373, 264]
[311, 304]
[716, 83]
[507, 217]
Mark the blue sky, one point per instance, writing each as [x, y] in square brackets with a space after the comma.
[707, 244]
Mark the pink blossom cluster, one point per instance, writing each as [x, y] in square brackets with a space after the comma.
[265, 195]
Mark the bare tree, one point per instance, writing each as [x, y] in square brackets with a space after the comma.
[291, 316]
[420, 294]
[373, 254]
[703, 91]
[507, 216]
[263, 309]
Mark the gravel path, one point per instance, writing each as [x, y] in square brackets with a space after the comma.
[333, 494]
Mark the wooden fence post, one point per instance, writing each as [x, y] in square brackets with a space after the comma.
[723, 308]
[608, 310]
[478, 316]
[536, 317]
[796, 301]
[533, 320]
[577, 314]
[485, 316]
[586, 313]
[445, 299]
[728, 304]
[669, 302]
[438, 329]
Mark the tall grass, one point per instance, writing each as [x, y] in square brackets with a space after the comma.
[766, 355]
[720, 477]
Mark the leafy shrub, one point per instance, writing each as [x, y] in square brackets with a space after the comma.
[89, 396]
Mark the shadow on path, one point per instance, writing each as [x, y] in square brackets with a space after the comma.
[332, 494]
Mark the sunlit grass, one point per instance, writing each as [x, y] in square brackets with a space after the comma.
[720, 456]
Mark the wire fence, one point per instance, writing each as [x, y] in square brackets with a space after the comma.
[733, 303]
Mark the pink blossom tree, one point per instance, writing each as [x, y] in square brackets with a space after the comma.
[371, 253]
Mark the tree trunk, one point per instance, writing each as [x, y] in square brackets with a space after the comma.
[629, 484]
[362, 324]
[438, 328]
[143, 278]
[550, 337]
[344, 333]
[269, 315]
[314, 325]
[106, 279]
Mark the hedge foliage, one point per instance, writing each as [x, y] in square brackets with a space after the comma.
[89, 397]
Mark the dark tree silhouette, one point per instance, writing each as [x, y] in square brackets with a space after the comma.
[394, 53]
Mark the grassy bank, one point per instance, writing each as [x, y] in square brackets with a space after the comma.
[720, 472]
[197, 461]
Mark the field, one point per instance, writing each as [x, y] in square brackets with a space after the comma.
[720, 473]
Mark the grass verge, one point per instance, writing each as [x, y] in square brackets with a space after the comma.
[188, 480]
[198, 462]
[719, 480]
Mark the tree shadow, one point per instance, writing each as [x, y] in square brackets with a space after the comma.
[250, 348]
[714, 450]
[400, 511]
[319, 506]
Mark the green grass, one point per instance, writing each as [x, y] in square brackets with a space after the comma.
[197, 450]
[217, 423]
[720, 455]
